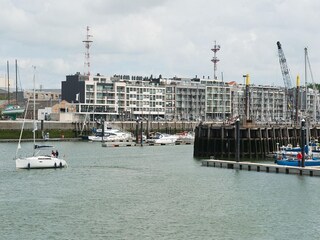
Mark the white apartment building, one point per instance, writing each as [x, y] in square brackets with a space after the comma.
[218, 100]
[116, 98]
[124, 97]
[145, 100]
[266, 103]
[103, 98]
[185, 99]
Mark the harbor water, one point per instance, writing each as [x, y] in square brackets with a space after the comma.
[151, 192]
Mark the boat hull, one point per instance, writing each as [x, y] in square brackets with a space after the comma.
[40, 162]
[296, 163]
[13, 112]
[163, 139]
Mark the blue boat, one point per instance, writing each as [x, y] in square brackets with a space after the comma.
[312, 151]
[297, 163]
[289, 156]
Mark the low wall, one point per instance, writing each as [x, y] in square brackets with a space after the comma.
[169, 127]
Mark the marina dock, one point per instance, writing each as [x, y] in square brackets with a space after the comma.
[262, 167]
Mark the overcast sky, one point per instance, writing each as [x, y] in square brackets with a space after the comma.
[168, 37]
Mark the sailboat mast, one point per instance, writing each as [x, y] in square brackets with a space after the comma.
[34, 111]
[306, 82]
[8, 82]
[16, 82]
[307, 117]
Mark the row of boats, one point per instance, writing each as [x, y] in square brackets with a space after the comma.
[292, 156]
[116, 135]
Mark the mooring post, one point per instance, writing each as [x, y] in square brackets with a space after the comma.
[102, 130]
[303, 129]
[141, 133]
[147, 128]
[238, 139]
[137, 131]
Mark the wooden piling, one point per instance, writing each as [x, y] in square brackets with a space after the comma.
[255, 141]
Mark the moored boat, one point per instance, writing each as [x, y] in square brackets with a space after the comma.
[185, 138]
[13, 110]
[297, 162]
[111, 135]
[162, 138]
[290, 151]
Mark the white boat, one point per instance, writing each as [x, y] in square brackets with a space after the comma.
[40, 160]
[186, 134]
[163, 138]
[37, 159]
[185, 137]
[112, 135]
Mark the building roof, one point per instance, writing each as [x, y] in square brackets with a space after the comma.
[232, 83]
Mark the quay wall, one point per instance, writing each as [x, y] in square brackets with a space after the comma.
[11, 129]
[255, 141]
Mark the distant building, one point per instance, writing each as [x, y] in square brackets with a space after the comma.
[113, 98]
[74, 86]
[218, 99]
[44, 94]
[63, 111]
[44, 99]
[124, 97]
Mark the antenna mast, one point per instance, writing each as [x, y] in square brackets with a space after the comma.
[87, 43]
[215, 60]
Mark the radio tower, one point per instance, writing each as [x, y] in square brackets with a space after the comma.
[215, 60]
[87, 44]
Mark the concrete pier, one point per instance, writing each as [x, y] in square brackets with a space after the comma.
[118, 144]
[262, 167]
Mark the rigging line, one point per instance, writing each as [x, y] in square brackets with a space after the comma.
[313, 83]
[24, 120]
[309, 65]
[20, 85]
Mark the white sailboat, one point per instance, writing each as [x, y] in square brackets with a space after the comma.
[38, 159]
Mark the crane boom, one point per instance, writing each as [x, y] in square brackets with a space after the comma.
[289, 95]
[284, 67]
